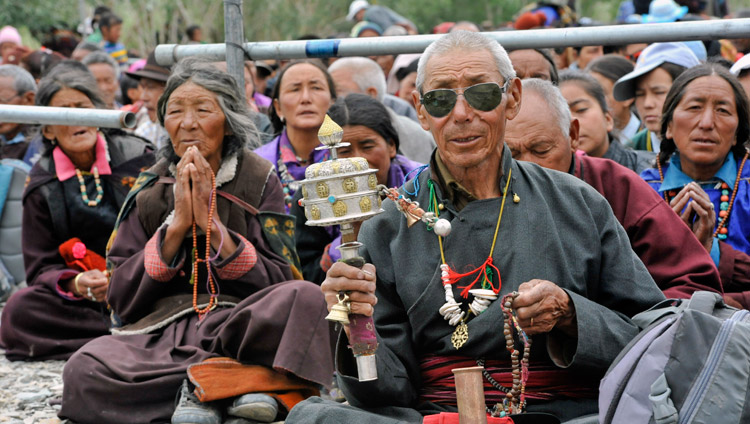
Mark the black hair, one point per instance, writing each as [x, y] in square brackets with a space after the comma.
[109, 20]
[126, 83]
[677, 92]
[361, 109]
[588, 83]
[278, 125]
[611, 66]
[190, 31]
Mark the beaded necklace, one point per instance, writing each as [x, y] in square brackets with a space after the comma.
[207, 260]
[84, 193]
[725, 207]
[515, 401]
[483, 297]
[288, 183]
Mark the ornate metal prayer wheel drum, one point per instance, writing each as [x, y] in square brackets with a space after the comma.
[339, 191]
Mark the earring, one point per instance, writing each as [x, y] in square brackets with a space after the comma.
[283, 120]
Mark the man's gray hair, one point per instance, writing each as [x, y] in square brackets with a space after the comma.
[465, 41]
[23, 82]
[205, 74]
[365, 73]
[554, 98]
[102, 57]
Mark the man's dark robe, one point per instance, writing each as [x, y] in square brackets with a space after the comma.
[262, 318]
[561, 230]
[40, 322]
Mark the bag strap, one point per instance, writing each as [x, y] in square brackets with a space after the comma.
[659, 311]
[705, 301]
[252, 210]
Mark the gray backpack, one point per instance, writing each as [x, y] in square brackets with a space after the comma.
[689, 364]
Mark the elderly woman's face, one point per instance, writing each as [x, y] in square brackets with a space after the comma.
[367, 143]
[71, 139]
[193, 117]
[704, 123]
[304, 97]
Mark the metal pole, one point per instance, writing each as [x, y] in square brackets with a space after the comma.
[563, 37]
[234, 36]
[45, 115]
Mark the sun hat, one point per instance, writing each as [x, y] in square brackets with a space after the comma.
[361, 26]
[651, 58]
[660, 11]
[355, 7]
[152, 70]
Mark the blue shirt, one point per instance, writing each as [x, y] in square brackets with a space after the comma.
[738, 225]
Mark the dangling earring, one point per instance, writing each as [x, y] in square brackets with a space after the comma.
[283, 120]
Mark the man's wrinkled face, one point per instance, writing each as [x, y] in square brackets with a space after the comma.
[467, 136]
[535, 135]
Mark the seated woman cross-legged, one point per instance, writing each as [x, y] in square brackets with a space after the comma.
[241, 331]
[702, 169]
[70, 205]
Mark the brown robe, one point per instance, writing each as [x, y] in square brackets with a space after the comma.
[133, 378]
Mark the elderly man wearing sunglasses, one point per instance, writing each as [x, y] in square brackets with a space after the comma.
[519, 251]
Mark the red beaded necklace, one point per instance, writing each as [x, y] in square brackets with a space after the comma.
[723, 214]
[206, 260]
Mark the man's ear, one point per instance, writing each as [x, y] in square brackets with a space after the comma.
[421, 112]
[372, 92]
[27, 98]
[575, 128]
[513, 104]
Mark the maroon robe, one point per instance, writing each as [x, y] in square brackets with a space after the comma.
[675, 259]
[133, 378]
[41, 322]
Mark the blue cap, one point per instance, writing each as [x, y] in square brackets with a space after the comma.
[651, 58]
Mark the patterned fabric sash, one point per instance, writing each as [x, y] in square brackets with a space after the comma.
[546, 382]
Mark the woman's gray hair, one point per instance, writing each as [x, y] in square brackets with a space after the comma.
[465, 41]
[554, 98]
[236, 113]
[68, 74]
[102, 57]
[23, 82]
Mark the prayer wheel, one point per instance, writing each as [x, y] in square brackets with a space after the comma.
[342, 192]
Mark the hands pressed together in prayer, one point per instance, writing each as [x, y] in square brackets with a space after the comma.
[192, 194]
[699, 215]
[359, 284]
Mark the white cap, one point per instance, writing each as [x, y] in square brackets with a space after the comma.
[740, 65]
[355, 7]
[651, 58]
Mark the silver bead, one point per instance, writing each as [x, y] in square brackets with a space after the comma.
[442, 227]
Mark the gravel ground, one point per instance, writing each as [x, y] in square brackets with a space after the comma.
[30, 392]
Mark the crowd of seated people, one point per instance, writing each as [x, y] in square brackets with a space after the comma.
[171, 267]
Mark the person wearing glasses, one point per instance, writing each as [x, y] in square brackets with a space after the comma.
[545, 239]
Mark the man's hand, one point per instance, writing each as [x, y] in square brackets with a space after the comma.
[542, 305]
[359, 284]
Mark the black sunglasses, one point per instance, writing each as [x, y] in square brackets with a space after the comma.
[485, 97]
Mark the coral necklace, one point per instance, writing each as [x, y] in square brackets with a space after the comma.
[725, 207]
[451, 310]
[84, 194]
[207, 259]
